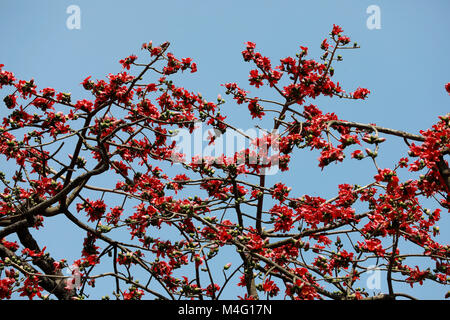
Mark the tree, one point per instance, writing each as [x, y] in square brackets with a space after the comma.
[168, 230]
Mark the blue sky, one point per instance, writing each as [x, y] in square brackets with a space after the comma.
[405, 63]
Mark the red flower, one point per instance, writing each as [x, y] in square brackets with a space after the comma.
[325, 45]
[255, 78]
[10, 101]
[63, 98]
[342, 259]
[304, 51]
[30, 288]
[282, 216]
[329, 155]
[280, 192]
[43, 104]
[127, 61]
[357, 154]
[347, 140]
[151, 87]
[344, 40]
[84, 105]
[193, 67]
[248, 53]
[6, 287]
[415, 275]
[187, 63]
[256, 110]
[120, 167]
[94, 209]
[372, 245]
[447, 87]
[114, 216]
[133, 294]
[403, 163]
[238, 94]
[6, 78]
[48, 92]
[250, 45]
[387, 175]
[32, 253]
[26, 88]
[88, 84]
[336, 30]
[256, 193]
[360, 93]
[210, 290]
[13, 246]
[270, 287]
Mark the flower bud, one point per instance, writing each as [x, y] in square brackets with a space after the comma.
[371, 153]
